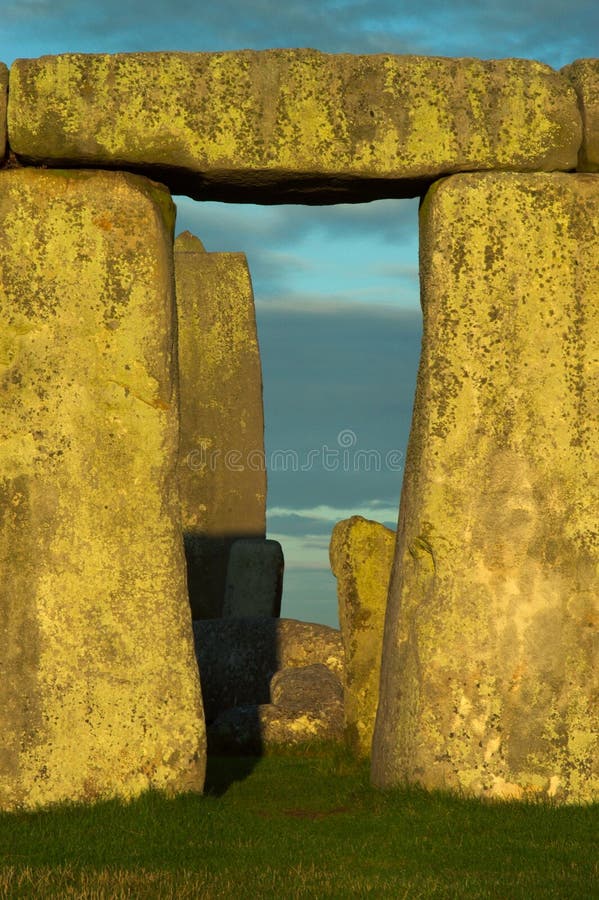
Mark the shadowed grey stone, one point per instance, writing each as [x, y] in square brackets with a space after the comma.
[490, 671]
[292, 125]
[306, 705]
[222, 475]
[238, 657]
[99, 689]
[252, 729]
[584, 75]
[3, 102]
[254, 579]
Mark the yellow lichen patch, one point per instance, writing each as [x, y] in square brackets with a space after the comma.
[361, 554]
[99, 694]
[292, 118]
[490, 658]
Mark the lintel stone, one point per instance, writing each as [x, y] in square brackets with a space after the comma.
[584, 75]
[292, 125]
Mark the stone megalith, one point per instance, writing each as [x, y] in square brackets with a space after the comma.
[361, 555]
[254, 583]
[99, 688]
[222, 472]
[490, 673]
[281, 126]
[3, 104]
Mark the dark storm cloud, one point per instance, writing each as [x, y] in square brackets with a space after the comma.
[552, 31]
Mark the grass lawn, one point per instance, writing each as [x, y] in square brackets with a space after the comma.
[300, 824]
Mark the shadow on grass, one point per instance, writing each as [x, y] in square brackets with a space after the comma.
[223, 771]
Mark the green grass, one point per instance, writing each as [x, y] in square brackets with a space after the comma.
[292, 825]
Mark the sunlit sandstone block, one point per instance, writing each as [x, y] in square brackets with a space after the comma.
[222, 474]
[361, 554]
[490, 672]
[293, 125]
[584, 75]
[3, 99]
[99, 689]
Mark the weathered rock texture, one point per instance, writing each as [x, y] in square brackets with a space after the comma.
[489, 679]
[222, 476]
[292, 125]
[99, 689]
[306, 705]
[584, 75]
[3, 101]
[361, 554]
[238, 657]
[254, 582]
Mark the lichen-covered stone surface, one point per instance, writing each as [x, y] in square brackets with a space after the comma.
[306, 705]
[99, 689]
[489, 678]
[292, 125]
[222, 475]
[254, 582]
[3, 104]
[238, 657]
[304, 688]
[361, 554]
[584, 75]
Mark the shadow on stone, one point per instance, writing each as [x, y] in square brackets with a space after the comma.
[266, 683]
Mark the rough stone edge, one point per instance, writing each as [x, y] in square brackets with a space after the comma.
[3, 111]
[588, 159]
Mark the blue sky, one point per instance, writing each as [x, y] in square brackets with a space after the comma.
[336, 287]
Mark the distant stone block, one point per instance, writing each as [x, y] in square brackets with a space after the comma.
[222, 473]
[361, 554]
[306, 706]
[99, 689]
[293, 125]
[238, 657]
[489, 672]
[584, 75]
[254, 579]
[3, 103]
[304, 688]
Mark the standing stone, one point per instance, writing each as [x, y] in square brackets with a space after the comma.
[490, 672]
[222, 473]
[3, 103]
[280, 126]
[361, 554]
[99, 689]
[584, 75]
[254, 579]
